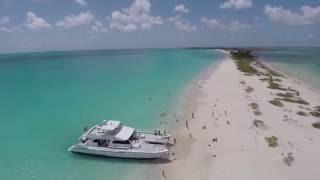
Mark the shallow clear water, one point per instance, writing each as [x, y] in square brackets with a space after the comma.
[47, 98]
[303, 63]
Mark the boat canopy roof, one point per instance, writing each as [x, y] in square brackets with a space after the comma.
[124, 134]
[110, 130]
[110, 125]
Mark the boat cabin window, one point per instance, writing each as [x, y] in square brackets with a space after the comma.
[121, 142]
[133, 136]
[101, 141]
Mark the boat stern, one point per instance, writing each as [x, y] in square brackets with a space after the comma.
[165, 154]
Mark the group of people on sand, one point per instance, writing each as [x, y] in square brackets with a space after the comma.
[159, 132]
[214, 140]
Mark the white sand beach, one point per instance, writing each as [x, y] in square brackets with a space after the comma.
[222, 142]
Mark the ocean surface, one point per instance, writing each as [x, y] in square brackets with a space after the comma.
[302, 63]
[47, 98]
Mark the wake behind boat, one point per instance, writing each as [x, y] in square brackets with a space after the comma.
[114, 139]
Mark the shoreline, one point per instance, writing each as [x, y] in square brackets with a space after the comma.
[188, 99]
[222, 112]
[291, 76]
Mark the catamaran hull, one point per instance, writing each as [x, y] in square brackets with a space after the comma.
[120, 153]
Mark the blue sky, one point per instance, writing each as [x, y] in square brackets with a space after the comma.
[38, 25]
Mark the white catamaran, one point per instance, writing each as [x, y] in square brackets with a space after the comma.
[114, 139]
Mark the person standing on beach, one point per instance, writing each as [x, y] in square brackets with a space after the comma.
[163, 174]
[187, 124]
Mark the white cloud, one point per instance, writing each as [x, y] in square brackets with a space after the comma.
[182, 25]
[81, 2]
[4, 20]
[181, 9]
[4, 25]
[4, 29]
[185, 26]
[136, 17]
[212, 23]
[174, 18]
[233, 26]
[98, 27]
[236, 4]
[83, 18]
[10, 29]
[306, 15]
[36, 23]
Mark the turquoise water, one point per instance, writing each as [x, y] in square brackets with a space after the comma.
[303, 63]
[47, 98]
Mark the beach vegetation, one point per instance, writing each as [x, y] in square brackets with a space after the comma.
[302, 113]
[272, 141]
[274, 85]
[244, 59]
[277, 80]
[294, 100]
[316, 112]
[276, 102]
[270, 79]
[316, 125]
[288, 159]
[258, 124]
[257, 112]
[264, 79]
[249, 89]
[255, 108]
[268, 69]
[244, 65]
[285, 95]
[241, 53]
[308, 109]
[248, 74]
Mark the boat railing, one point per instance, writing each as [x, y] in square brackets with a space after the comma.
[163, 135]
[87, 132]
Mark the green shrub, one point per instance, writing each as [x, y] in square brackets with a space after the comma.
[254, 106]
[272, 141]
[257, 112]
[258, 123]
[249, 89]
[302, 113]
[273, 85]
[315, 113]
[287, 94]
[316, 125]
[276, 102]
[293, 100]
[277, 79]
